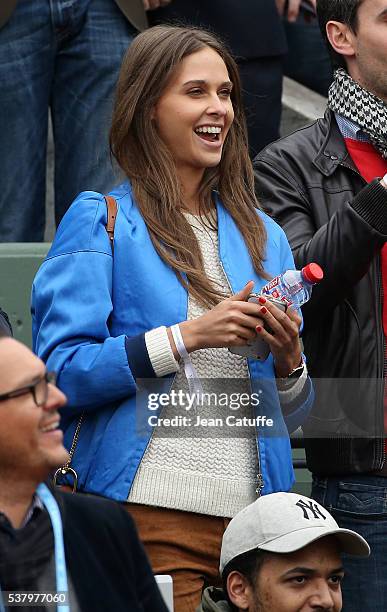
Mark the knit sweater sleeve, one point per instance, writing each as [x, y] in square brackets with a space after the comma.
[160, 352]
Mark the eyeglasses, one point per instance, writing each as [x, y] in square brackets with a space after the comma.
[38, 390]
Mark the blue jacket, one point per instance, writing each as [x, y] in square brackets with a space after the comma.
[90, 315]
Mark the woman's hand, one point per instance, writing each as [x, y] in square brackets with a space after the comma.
[232, 322]
[284, 341]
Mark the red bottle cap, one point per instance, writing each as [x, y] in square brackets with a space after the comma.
[312, 273]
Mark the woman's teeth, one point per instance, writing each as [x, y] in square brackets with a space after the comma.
[208, 130]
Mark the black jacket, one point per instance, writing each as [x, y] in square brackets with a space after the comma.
[308, 183]
[252, 28]
[108, 565]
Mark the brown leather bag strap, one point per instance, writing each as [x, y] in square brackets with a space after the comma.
[112, 209]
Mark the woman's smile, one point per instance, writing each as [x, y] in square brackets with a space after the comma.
[194, 114]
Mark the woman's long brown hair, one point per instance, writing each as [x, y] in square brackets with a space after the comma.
[146, 161]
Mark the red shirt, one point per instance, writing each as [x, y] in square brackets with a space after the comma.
[367, 159]
[371, 164]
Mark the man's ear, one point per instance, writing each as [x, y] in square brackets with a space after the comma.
[239, 591]
[341, 38]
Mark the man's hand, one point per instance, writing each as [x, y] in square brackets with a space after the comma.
[293, 8]
[151, 5]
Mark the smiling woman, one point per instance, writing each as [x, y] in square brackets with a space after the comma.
[187, 81]
[190, 243]
[193, 117]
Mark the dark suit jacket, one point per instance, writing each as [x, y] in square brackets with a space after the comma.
[252, 28]
[107, 563]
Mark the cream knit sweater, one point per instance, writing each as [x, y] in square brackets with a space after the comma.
[203, 469]
[207, 470]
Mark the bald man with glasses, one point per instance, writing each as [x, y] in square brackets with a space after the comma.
[81, 549]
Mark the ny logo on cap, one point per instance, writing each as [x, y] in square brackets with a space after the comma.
[310, 507]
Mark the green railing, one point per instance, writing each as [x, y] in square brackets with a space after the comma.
[19, 263]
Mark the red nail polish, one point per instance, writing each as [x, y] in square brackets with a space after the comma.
[262, 300]
[258, 328]
[263, 310]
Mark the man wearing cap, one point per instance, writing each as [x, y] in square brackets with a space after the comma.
[282, 554]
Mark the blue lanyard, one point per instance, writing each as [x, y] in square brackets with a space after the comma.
[52, 507]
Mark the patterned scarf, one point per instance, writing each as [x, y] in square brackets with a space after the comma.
[25, 554]
[349, 99]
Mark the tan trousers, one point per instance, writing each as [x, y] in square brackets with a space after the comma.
[184, 545]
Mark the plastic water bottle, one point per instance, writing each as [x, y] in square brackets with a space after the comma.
[294, 286]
